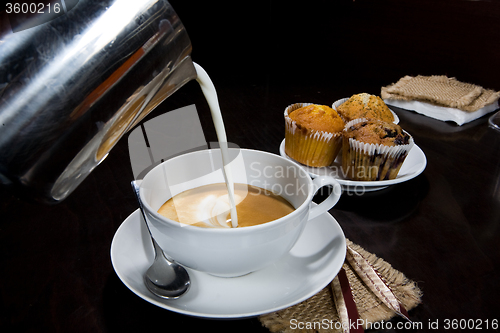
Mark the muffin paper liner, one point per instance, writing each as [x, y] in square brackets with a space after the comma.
[310, 147]
[368, 161]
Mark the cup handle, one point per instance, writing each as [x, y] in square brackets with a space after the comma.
[332, 198]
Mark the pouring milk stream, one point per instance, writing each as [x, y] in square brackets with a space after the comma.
[210, 94]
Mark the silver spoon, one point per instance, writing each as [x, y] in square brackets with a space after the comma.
[165, 278]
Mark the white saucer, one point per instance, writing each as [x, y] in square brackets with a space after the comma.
[312, 263]
[413, 166]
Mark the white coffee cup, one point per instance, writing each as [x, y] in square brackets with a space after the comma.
[231, 252]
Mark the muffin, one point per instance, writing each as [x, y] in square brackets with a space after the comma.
[373, 149]
[365, 106]
[313, 134]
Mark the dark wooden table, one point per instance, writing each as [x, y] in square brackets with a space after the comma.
[441, 229]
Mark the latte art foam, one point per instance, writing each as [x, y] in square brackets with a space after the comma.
[209, 206]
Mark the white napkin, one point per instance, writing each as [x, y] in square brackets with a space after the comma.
[443, 113]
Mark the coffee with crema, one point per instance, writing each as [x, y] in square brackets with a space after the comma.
[208, 206]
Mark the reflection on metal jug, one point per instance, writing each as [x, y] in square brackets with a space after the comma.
[71, 87]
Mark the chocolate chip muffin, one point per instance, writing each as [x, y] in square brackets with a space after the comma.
[378, 132]
[365, 106]
[374, 149]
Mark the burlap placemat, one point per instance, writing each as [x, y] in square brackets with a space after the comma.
[442, 91]
[319, 313]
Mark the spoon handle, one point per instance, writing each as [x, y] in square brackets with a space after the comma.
[136, 188]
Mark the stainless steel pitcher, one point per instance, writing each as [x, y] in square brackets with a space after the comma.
[71, 87]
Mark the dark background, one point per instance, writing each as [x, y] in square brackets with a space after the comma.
[441, 229]
[342, 42]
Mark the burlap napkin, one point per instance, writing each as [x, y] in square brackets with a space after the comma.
[319, 313]
[441, 91]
